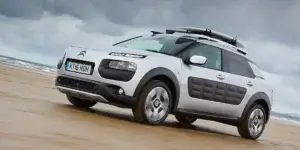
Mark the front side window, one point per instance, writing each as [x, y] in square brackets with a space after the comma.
[236, 64]
[157, 43]
[213, 55]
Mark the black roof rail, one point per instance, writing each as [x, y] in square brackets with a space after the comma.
[242, 51]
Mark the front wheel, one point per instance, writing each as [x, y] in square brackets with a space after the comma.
[253, 124]
[154, 103]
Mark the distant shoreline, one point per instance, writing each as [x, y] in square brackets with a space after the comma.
[27, 64]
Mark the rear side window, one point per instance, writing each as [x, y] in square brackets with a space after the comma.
[236, 64]
[256, 70]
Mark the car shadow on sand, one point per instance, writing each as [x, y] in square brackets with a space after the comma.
[129, 117]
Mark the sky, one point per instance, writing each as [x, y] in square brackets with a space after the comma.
[40, 30]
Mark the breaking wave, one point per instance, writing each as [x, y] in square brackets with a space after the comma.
[27, 64]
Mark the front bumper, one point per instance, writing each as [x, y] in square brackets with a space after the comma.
[93, 90]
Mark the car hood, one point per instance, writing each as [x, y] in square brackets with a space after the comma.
[118, 49]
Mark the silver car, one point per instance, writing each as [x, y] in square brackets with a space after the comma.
[192, 73]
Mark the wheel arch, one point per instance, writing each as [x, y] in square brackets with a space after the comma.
[258, 98]
[165, 75]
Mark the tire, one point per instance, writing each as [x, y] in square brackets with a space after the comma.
[244, 128]
[77, 102]
[185, 120]
[152, 107]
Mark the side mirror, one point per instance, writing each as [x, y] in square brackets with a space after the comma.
[196, 59]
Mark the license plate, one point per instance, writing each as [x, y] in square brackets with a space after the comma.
[78, 67]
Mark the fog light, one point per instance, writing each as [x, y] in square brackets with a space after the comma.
[120, 91]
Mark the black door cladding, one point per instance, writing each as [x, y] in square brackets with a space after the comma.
[215, 91]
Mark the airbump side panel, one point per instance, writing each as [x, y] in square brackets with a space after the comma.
[215, 91]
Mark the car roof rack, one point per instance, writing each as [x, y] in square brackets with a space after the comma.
[210, 33]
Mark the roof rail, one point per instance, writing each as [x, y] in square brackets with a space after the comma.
[242, 51]
[210, 33]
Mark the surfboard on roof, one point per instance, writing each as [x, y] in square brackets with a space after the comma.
[215, 34]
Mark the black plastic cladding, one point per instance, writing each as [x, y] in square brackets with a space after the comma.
[77, 84]
[108, 91]
[215, 91]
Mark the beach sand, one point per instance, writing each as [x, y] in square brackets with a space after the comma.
[35, 116]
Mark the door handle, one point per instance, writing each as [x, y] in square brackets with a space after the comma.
[249, 83]
[221, 77]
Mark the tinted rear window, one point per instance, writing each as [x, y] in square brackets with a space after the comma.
[236, 64]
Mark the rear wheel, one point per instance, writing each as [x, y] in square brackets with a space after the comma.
[185, 120]
[154, 103]
[253, 124]
[77, 102]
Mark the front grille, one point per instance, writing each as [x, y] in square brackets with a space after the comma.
[77, 84]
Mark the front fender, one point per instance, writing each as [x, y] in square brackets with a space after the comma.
[158, 72]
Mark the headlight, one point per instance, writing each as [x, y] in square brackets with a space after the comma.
[122, 65]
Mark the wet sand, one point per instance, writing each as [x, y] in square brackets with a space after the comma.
[35, 116]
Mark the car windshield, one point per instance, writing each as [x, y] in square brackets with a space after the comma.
[158, 43]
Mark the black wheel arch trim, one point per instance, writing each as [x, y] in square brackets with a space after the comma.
[158, 72]
[257, 96]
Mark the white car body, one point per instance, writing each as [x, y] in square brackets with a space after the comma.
[185, 78]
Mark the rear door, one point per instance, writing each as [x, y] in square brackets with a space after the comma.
[241, 83]
[218, 87]
[204, 85]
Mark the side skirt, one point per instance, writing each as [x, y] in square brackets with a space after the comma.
[207, 116]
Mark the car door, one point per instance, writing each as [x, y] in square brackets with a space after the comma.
[241, 83]
[204, 85]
